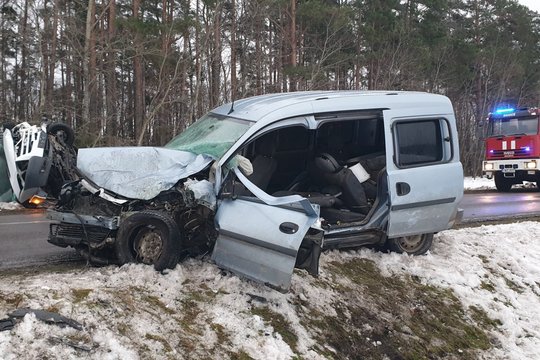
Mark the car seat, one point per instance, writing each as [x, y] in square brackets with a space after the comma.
[330, 172]
[264, 164]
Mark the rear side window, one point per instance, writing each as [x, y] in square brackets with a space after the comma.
[422, 142]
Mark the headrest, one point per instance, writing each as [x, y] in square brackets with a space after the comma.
[327, 164]
[266, 145]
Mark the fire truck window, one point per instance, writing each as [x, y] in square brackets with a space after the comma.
[514, 126]
[421, 142]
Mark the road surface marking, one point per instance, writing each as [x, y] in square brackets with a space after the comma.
[26, 222]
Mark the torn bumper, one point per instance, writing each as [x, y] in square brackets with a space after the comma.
[456, 219]
[74, 230]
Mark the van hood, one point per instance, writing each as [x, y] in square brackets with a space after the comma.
[138, 172]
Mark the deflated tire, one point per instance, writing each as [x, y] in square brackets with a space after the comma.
[412, 245]
[149, 237]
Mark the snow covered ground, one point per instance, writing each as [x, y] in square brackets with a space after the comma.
[10, 206]
[197, 311]
[480, 183]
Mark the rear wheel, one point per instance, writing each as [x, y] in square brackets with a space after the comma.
[149, 237]
[8, 126]
[412, 245]
[501, 183]
[62, 131]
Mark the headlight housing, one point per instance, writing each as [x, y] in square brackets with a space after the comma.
[37, 200]
[530, 164]
[488, 166]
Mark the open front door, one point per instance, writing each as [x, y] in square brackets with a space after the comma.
[259, 237]
[425, 176]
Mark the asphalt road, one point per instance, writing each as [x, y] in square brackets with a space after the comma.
[492, 205]
[23, 235]
[23, 241]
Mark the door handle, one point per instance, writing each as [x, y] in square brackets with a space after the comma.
[288, 228]
[402, 188]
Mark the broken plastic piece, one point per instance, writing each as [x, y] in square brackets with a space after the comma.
[7, 324]
[59, 340]
[203, 190]
[48, 317]
[258, 298]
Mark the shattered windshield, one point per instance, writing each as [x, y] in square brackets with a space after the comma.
[514, 126]
[210, 135]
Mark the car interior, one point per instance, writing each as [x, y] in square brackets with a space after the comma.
[336, 166]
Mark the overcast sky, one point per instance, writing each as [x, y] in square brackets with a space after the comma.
[531, 4]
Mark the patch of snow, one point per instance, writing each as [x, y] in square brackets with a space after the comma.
[478, 183]
[481, 183]
[10, 206]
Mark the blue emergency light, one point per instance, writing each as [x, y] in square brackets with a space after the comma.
[504, 111]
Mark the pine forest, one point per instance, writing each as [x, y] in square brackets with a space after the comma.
[134, 72]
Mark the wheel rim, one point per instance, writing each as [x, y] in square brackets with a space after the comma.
[148, 245]
[411, 243]
[61, 135]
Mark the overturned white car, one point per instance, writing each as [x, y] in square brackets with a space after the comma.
[37, 160]
[266, 183]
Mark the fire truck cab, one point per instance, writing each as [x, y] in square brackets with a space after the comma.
[512, 147]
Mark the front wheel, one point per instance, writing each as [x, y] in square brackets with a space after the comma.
[501, 183]
[412, 244]
[149, 237]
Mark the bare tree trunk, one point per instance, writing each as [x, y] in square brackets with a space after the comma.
[44, 54]
[292, 79]
[216, 58]
[233, 50]
[52, 59]
[90, 18]
[195, 102]
[44, 97]
[138, 79]
[3, 100]
[110, 76]
[282, 56]
[478, 65]
[258, 55]
[21, 93]
[184, 108]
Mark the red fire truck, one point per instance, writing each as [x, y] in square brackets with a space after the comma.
[513, 147]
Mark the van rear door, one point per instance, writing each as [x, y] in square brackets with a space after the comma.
[425, 176]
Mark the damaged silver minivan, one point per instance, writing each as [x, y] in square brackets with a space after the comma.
[266, 183]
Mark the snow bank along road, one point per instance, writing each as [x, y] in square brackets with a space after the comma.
[476, 295]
